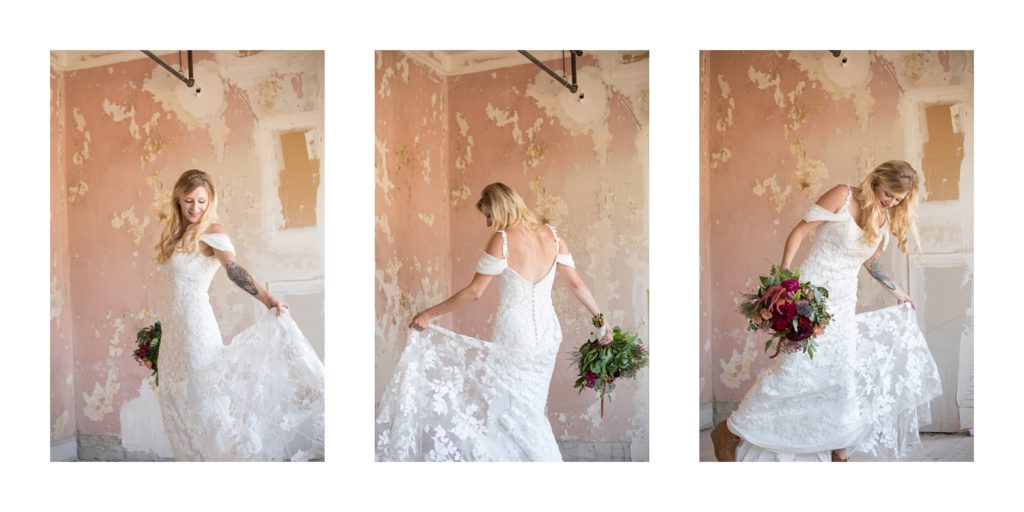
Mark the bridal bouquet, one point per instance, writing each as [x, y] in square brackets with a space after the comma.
[147, 349]
[792, 311]
[600, 365]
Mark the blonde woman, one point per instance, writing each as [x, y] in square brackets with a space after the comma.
[453, 397]
[872, 371]
[258, 398]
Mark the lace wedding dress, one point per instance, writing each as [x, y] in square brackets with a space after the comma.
[258, 398]
[457, 398]
[870, 382]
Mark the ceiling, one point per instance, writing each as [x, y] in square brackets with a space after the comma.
[460, 62]
[74, 59]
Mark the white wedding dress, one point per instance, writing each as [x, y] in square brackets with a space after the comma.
[870, 382]
[259, 398]
[457, 398]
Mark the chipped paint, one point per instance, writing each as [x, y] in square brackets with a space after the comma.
[198, 112]
[77, 191]
[466, 158]
[765, 81]
[720, 157]
[118, 113]
[101, 401]
[381, 170]
[460, 194]
[589, 117]
[382, 223]
[776, 193]
[724, 123]
[546, 204]
[56, 299]
[117, 324]
[427, 219]
[57, 429]
[502, 118]
[810, 173]
[736, 370]
[136, 228]
[849, 81]
[81, 154]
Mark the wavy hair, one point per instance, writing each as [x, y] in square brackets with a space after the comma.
[898, 176]
[507, 208]
[178, 234]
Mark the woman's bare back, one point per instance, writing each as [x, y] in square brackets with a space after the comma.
[531, 254]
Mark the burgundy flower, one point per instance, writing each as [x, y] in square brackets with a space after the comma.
[779, 322]
[791, 285]
[591, 379]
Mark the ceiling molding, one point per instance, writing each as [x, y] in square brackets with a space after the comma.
[463, 62]
[70, 60]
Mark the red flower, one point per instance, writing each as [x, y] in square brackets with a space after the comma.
[791, 285]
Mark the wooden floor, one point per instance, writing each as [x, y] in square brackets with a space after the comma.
[935, 448]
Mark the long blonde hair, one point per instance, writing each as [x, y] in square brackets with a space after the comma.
[507, 208]
[178, 234]
[900, 177]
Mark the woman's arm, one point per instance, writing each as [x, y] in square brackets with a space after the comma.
[581, 291]
[471, 293]
[241, 277]
[874, 267]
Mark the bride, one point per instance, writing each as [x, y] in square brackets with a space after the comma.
[869, 385]
[457, 398]
[259, 398]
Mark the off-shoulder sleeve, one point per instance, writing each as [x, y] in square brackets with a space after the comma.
[491, 266]
[219, 241]
[566, 259]
[817, 213]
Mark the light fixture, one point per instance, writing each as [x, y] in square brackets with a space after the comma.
[190, 81]
[572, 86]
[839, 55]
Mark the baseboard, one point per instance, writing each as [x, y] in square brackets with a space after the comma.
[707, 412]
[722, 410]
[110, 449]
[64, 450]
[595, 451]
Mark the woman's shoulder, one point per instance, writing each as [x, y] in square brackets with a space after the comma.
[215, 229]
[835, 197]
[495, 245]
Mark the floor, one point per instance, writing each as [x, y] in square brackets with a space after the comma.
[935, 448]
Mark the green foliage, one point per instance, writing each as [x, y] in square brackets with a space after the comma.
[622, 358]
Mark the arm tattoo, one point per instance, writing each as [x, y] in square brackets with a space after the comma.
[877, 272]
[242, 278]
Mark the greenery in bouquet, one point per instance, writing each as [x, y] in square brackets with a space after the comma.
[147, 348]
[793, 312]
[599, 366]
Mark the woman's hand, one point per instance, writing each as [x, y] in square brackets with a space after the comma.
[272, 303]
[421, 320]
[903, 298]
[607, 338]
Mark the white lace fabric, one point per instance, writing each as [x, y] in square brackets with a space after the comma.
[868, 387]
[457, 398]
[258, 398]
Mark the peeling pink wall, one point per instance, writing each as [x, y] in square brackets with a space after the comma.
[778, 130]
[582, 165]
[62, 383]
[131, 129]
[412, 242]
